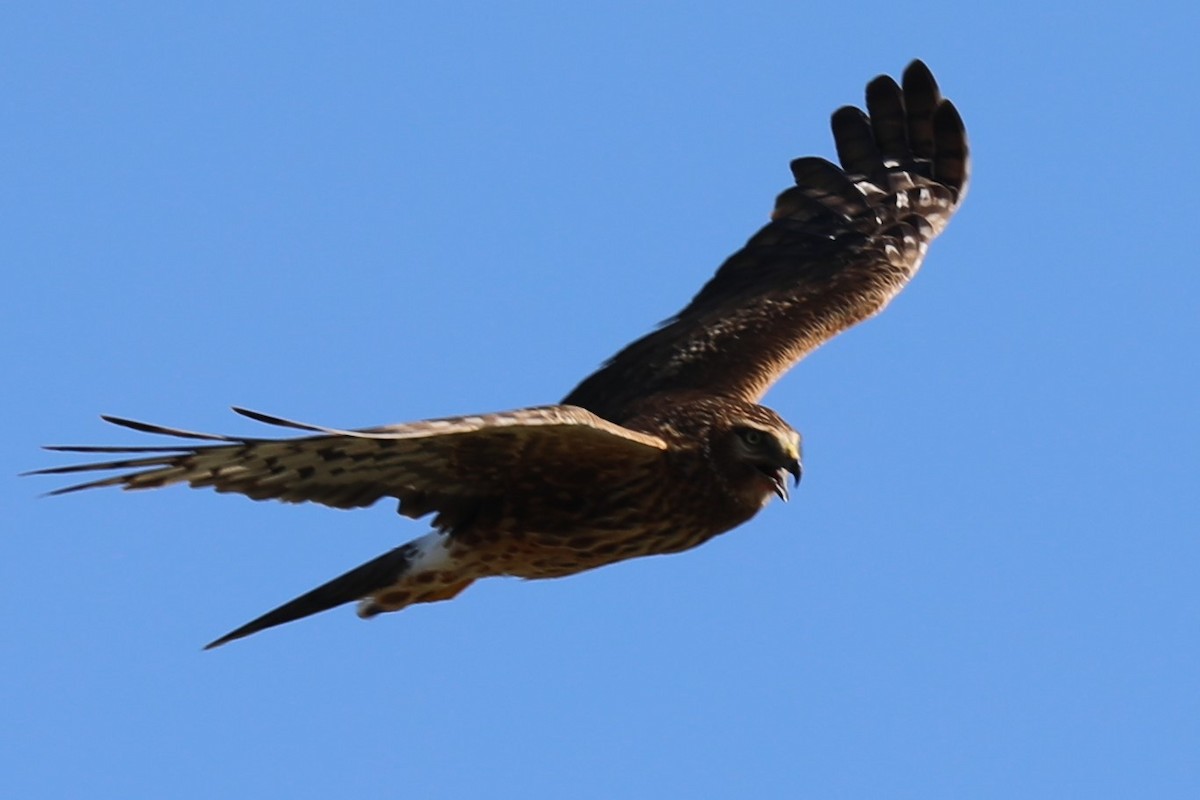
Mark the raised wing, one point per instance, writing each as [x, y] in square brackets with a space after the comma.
[442, 465]
[840, 245]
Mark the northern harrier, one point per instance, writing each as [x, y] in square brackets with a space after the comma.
[662, 448]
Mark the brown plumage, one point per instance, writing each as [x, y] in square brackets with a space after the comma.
[662, 448]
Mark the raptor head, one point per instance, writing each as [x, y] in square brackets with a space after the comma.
[757, 453]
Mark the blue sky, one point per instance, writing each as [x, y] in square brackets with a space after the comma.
[985, 586]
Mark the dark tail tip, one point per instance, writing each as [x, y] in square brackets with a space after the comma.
[346, 588]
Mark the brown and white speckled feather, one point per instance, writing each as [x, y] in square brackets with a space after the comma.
[840, 245]
[439, 465]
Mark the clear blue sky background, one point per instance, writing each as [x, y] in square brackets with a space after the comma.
[368, 213]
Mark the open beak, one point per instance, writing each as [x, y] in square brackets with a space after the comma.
[779, 479]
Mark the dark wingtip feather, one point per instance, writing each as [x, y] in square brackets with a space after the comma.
[918, 70]
[79, 487]
[93, 448]
[97, 466]
[280, 422]
[885, 106]
[824, 186]
[855, 141]
[147, 427]
[921, 99]
[952, 155]
[813, 172]
[918, 80]
[66, 489]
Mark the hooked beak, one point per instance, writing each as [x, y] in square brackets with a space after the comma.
[779, 478]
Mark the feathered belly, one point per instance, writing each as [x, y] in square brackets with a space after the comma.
[591, 542]
[559, 530]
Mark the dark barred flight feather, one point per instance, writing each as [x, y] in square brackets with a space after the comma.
[840, 245]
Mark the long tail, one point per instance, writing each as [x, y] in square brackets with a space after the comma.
[347, 588]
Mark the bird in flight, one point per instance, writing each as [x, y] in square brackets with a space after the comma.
[662, 448]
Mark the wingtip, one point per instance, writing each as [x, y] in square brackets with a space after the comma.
[280, 422]
[245, 412]
[125, 422]
[145, 427]
[848, 114]
[47, 471]
[44, 495]
[918, 71]
[881, 84]
[952, 156]
[946, 117]
[918, 65]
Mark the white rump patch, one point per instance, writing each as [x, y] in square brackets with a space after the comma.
[432, 553]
